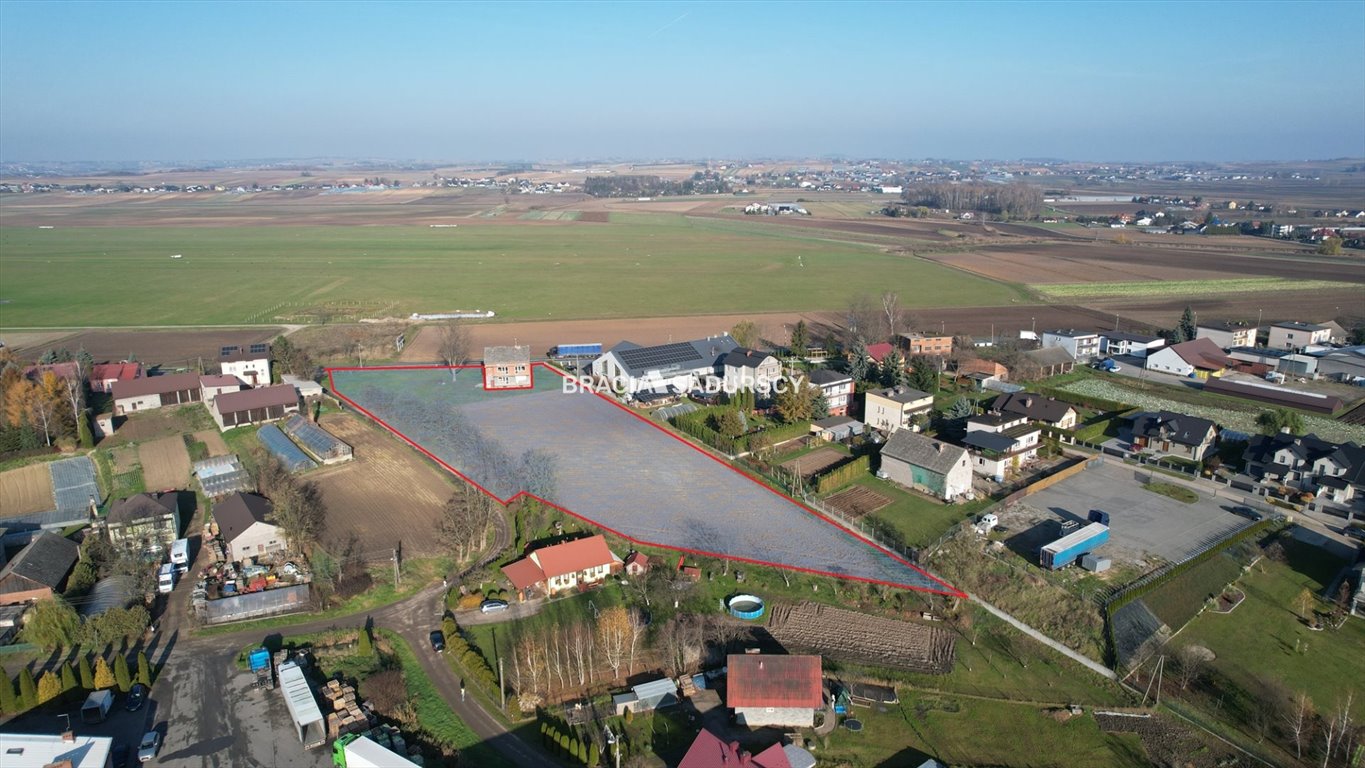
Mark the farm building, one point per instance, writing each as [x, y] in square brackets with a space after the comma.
[1227, 335]
[70, 370]
[507, 367]
[103, 375]
[926, 464]
[637, 564]
[1175, 434]
[680, 366]
[222, 475]
[1046, 410]
[153, 392]
[1265, 393]
[989, 367]
[836, 429]
[307, 387]
[1346, 365]
[1126, 343]
[242, 525]
[148, 522]
[321, 444]
[213, 386]
[1200, 358]
[248, 362]
[252, 406]
[284, 449]
[836, 387]
[1051, 361]
[774, 690]
[107, 594]
[39, 570]
[711, 751]
[744, 368]
[34, 750]
[564, 566]
[893, 408]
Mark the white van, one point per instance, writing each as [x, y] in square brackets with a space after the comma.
[180, 554]
[165, 579]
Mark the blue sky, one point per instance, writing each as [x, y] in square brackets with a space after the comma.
[1100, 81]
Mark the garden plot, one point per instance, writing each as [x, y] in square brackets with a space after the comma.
[25, 490]
[612, 468]
[857, 502]
[856, 637]
[815, 462]
[165, 463]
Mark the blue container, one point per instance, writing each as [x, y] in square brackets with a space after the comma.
[259, 658]
[578, 350]
[1064, 551]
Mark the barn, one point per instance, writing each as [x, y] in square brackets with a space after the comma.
[252, 406]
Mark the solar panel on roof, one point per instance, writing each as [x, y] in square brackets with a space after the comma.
[660, 356]
[227, 350]
[260, 348]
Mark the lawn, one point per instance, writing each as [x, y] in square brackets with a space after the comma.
[655, 265]
[1266, 636]
[1173, 491]
[562, 611]
[1178, 600]
[964, 731]
[919, 519]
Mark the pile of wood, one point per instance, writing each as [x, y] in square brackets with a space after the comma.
[347, 715]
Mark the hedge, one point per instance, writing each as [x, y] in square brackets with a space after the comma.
[842, 474]
[459, 652]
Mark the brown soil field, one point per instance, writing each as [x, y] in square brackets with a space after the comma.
[214, 440]
[26, 489]
[594, 217]
[155, 347]
[1044, 263]
[389, 492]
[860, 638]
[124, 458]
[163, 422]
[165, 463]
[814, 462]
[1346, 306]
[857, 501]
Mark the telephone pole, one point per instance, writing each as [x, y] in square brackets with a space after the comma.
[502, 688]
[395, 568]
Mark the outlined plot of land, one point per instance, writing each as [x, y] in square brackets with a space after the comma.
[598, 461]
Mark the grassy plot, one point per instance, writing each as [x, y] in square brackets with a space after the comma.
[491, 640]
[965, 731]
[1180, 599]
[1173, 491]
[1167, 288]
[918, 519]
[658, 264]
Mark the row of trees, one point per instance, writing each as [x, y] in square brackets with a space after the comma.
[37, 412]
[1016, 201]
[466, 519]
[69, 678]
[53, 623]
[572, 656]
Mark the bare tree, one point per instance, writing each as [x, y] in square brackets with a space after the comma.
[1268, 699]
[1297, 718]
[578, 644]
[862, 320]
[1190, 662]
[1335, 728]
[452, 345]
[614, 636]
[891, 308]
[746, 334]
[637, 634]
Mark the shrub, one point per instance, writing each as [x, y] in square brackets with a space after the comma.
[9, 701]
[144, 669]
[121, 674]
[49, 687]
[366, 645]
[68, 678]
[87, 676]
[104, 677]
[28, 690]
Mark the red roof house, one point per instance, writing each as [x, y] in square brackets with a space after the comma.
[709, 751]
[636, 564]
[774, 690]
[103, 375]
[564, 566]
[879, 351]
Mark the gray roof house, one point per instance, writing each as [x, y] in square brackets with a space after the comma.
[38, 571]
[1174, 433]
[1048, 410]
[926, 464]
[680, 365]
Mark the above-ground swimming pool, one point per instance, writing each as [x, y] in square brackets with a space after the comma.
[746, 606]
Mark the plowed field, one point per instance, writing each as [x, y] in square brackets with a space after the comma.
[857, 637]
[165, 463]
[24, 490]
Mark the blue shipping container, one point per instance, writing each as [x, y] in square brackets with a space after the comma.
[1064, 551]
[578, 350]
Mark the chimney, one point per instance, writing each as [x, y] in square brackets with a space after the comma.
[938, 447]
[734, 748]
[69, 736]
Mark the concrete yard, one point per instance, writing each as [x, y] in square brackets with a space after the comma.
[616, 470]
[1142, 523]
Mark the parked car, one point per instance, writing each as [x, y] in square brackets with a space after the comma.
[438, 641]
[137, 695]
[493, 606]
[1353, 532]
[147, 749]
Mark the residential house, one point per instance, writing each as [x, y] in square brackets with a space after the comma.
[39, 570]
[678, 366]
[915, 343]
[1133, 344]
[743, 368]
[894, 408]
[244, 527]
[1336, 334]
[1296, 336]
[838, 389]
[636, 564]
[1045, 410]
[1000, 443]
[213, 386]
[147, 522]
[155, 392]
[103, 375]
[1308, 463]
[68, 370]
[836, 429]
[248, 362]
[711, 751]
[926, 464]
[878, 352]
[1200, 358]
[507, 367]
[1174, 434]
[647, 697]
[1051, 361]
[253, 406]
[1081, 345]
[561, 567]
[773, 690]
[1227, 335]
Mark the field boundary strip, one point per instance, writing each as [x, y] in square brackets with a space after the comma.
[947, 589]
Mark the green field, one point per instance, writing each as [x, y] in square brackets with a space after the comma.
[636, 266]
[1078, 291]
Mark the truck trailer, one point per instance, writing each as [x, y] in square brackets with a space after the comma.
[578, 350]
[356, 751]
[1064, 551]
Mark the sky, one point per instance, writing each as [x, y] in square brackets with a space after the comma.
[1129, 81]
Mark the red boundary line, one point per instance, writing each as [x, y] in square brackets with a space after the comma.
[948, 588]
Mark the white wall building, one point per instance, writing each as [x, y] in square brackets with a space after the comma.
[1082, 345]
[1296, 336]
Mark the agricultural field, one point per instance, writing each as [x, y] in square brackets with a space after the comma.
[171, 349]
[813, 463]
[857, 637]
[659, 490]
[1082, 291]
[388, 492]
[25, 490]
[656, 264]
[165, 463]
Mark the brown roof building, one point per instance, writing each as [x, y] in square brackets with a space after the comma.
[153, 392]
[563, 566]
[253, 406]
[774, 690]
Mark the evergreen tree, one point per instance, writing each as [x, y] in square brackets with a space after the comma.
[83, 431]
[923, 374]
[121, 674]
[49, 687]
[28, 689]
[366, 646]
[1184, 330]
[9, 702]
[87, 676]
[893, 369]
[859, 364]
[800, 339]
[144, 669]
[68, 678]
[104, 678]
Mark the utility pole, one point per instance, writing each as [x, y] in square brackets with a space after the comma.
[502, 687]
[395, 568]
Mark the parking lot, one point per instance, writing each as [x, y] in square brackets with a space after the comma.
[1142, 523]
